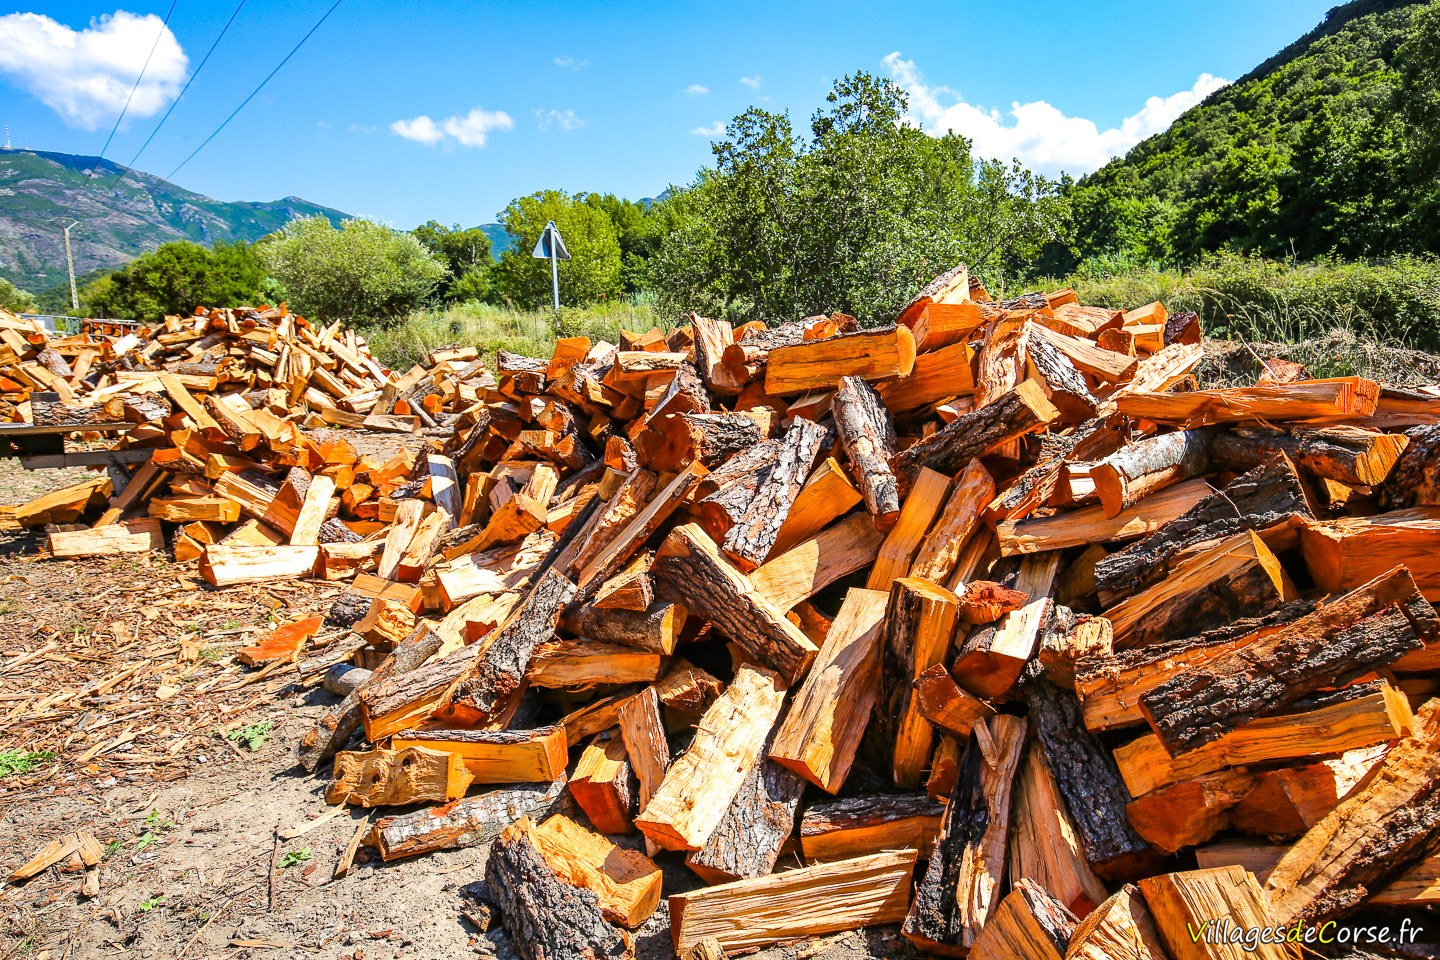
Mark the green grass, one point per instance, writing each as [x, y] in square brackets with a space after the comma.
[21, 762]
[487, 328]
[1396, 302]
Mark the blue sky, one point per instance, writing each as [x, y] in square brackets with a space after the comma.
[407, 111]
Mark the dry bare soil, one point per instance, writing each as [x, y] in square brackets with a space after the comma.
[181, 763]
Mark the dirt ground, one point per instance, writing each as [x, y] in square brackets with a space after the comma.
[120, 674]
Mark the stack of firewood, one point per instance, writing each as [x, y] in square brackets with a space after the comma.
[988, 623]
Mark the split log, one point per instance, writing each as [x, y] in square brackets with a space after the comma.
[944, 705]
[868, 434]
[1345, 454]
[1269, 494]
[1104, 365]
[1357, 716]
[1337, 399]
[1091, 525]
[225, 566]
[626, 883]
[604, 784]
[1044, 844]
[1188, 906]
[671, 441]
[961, 887]
[1029, 924]
[1191, 812]
[828, 898]
[135, 536]
[1022, 410]
[1070, 642]
[696, 792]
[985, 601]
[1141, 468]
[1291, 800]
[547, 918]
[809, 567]
[1342, 641]
[1121, 928]
[1110, 686]
[471, 822]
[859, 826]
[283, 643]
[818, 364]
[1064, 384]
[1342, 554]
[951, 287]
[1087, 777]
[989, 661]
[749, 542]
[622, 544]
[827, 495]
[919, 624]
[940, 550]
[755, 828]
[1237, 577]
[1388, 824]
[939, 374]
[655, 629]
[585, 664]
[821, 732]
[643, 730]
[922, 504]
[498, 756]
[691, 566]
[384, 778]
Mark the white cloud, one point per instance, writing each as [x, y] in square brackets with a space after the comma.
[564, 119]
[568, 62]
[86, 75]
[714, 130]
[697, 90]
[753, 82]
[421, 129]
[1042, 136]
[471, 130]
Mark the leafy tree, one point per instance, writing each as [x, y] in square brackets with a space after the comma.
[592, 275]
[14, 299]
[362, 271]
[177, 277]
[637, 230]
[855, 218]
[464, 252]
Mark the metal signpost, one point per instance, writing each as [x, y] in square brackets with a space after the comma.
[551, 245]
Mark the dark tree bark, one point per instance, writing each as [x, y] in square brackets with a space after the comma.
[507, 656]
[1267, 495]
[750, 540]
[868, 435]
[547, 919]
[1014, 414]
[1089, 781]
[760, 819]
[1365, 630]
[1341, 453]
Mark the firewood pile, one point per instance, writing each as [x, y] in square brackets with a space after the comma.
[989, 623]
[216, 407]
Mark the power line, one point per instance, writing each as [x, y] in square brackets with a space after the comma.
[226, 121]
[125, 109]
[176, 102]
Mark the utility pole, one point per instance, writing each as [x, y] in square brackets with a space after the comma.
[67, 223]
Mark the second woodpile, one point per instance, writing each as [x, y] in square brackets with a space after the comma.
[988, 624]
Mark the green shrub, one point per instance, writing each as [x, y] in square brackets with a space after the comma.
[1252, 298]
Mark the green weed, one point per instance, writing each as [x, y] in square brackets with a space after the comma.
[254, 736]
[20, 762]
[295, 858]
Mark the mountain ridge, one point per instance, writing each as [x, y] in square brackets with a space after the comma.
[124, 213]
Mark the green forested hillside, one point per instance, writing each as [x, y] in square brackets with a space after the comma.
[1327, 148]
[122, 216]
